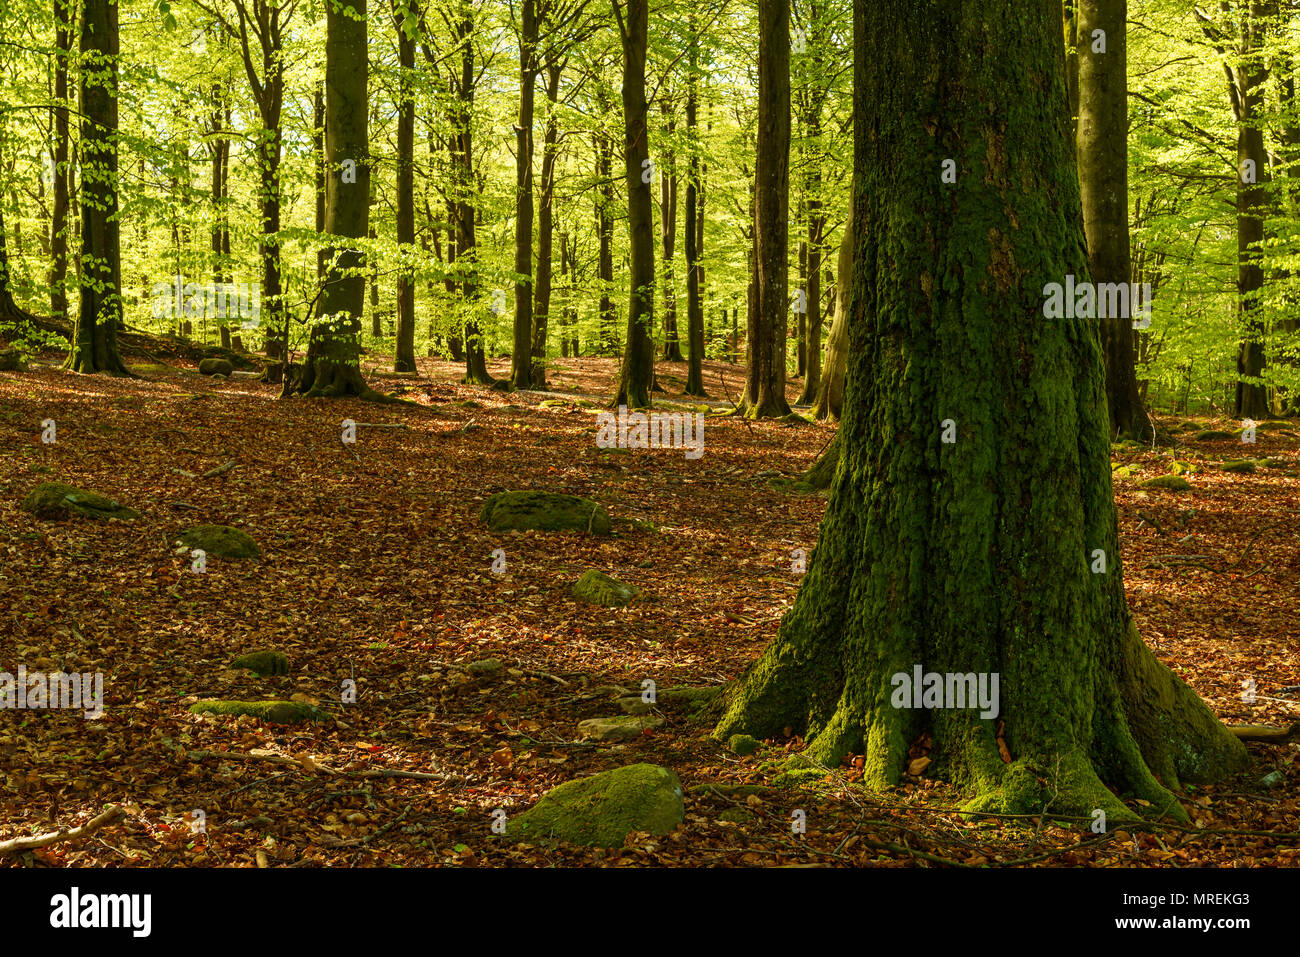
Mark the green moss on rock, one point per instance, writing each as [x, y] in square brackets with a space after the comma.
[599, 589]
[484, 666]
[1213, 435]
[621, 728]
[743, 745]
[220, 540]
[1170, 483]
[263, 663]
[273, 712]
[1125, 471]
[736, 815]
[603, 809]
[57, 500]
[216, 367]
[545, 512]
[1239, 465]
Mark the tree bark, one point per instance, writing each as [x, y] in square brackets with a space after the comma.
[978, 555]
[637, 375]
[406, 26]
[765, 375]
[1103, 185]
[668, 238]
[521, 362]
[830, 393]
[332, 367]
[64, 18]
[99, 316]
[605, 234]
[694, 232]
[546, 227]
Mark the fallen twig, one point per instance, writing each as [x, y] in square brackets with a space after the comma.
[63, 834]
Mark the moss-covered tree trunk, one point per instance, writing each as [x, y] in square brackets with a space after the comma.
[1102, 142]
[332, 366]
[972, 511]
[94, 339]
[637, 374]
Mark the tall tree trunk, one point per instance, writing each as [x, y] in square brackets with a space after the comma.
[637, 375]
[94, 338]
[64, 19]
[1070, 21]
[605, 233]
[546, 226]
[668, 235]
[332, 366]
[765, 375]
[1103, 185]
[521, 362]
[10, 311]
[694, 232]
[973, 505]
[406, 26]
[813, 330]
[463, 167]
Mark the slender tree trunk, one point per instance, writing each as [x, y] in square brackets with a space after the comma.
[765, 377]
[1103, 184]
[546, 227]
[605, 232]
[405, 24]
[463, 164]
[637, 375]
[521, 363]
[694, 232]
[813, 329]
[94, 338]
[64, 18]
[965, 405]
[830, 393]
[668, 236]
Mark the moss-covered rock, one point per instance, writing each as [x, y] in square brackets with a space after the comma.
[57, 500]
[685, 698]
[1170, 483]
[603, 809]
[743, 745]
[216, 367]
[1239, 465]
[220, 540]
[273, 712]
[263, 663]
[599, 589]
[1182, 468]
[1213, 435]
[484, 666]
[545, 512]
[622, 728]
[1125, 471]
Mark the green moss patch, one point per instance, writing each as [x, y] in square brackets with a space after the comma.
[216, 367]
[272, 712]
[599, 589]
[1239, 465]
[1170, 483]
[743, 745]
[220, 540]
[602, 810]
[544, 512]
[263, 663]
[1213, 435]
[621, 728]
[53, 500]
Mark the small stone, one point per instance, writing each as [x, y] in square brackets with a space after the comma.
[736, 815]
[1170, 483]
[545, 512]
[220, 540]
[53, 500]
[603, 809]
[484, 666]
[743, 745]
[273, 712]
[599, 589]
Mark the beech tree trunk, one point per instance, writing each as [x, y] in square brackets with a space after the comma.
[521, 355]
[1103, 185]
[973, 502]
[637, 374]
[694, 232]
[830, 392]
[332, 366]
[765, 375]
[406, 26]
[94, 338]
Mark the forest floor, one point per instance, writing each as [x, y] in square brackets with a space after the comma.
[376, 567]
